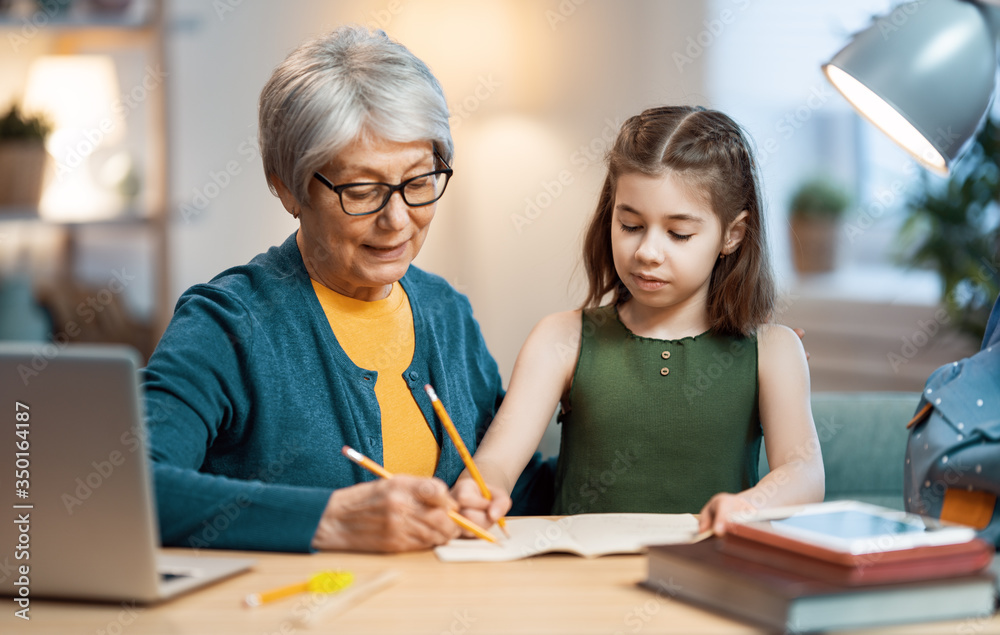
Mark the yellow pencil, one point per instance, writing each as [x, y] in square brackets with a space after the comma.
[380, 471]
[463, 451]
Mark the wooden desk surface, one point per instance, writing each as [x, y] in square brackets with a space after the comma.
[553, 593]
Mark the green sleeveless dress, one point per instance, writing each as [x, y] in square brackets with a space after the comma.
[656, 425]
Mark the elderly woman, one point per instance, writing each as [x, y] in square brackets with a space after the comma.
[328, 339]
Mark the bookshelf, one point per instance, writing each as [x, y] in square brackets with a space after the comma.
[96, 259]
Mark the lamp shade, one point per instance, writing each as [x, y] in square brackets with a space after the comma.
[77, 92]
[924, 75]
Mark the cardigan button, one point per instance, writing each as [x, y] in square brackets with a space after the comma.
[664, 371]
[665, 354]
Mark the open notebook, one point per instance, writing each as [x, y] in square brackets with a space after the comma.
[588, 535]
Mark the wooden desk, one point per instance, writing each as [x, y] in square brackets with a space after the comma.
[547, 594]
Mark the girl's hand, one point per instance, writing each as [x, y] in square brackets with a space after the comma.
[717, 511]
[474, 506]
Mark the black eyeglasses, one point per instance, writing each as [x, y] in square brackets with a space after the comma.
[361, 199]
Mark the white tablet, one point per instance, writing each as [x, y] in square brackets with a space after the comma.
[850, 532]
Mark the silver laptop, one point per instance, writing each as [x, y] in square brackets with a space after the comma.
[79, 512]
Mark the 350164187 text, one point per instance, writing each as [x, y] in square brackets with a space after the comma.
[22, 508]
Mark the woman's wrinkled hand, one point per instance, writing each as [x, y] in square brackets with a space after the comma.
[405, 513]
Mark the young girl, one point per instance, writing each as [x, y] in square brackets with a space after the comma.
[666, 391]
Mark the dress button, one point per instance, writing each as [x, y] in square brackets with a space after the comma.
[665, 354]
[664, 371]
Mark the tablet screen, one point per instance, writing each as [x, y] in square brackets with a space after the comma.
[849, 524]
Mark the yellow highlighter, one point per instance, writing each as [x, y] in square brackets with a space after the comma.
[322, 582]
[462, 450]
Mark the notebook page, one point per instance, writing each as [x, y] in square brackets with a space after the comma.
[600, 534]
[528, 537]
[585, 535]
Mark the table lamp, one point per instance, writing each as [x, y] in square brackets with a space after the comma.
[924, 74]
[79, 93]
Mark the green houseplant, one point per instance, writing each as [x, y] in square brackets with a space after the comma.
[22, 159]
[815, 211]
[953, 227]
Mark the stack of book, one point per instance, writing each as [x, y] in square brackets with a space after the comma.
[790, 587]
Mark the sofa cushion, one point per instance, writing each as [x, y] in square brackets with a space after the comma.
[863, 440]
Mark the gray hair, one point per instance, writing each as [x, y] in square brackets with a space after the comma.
[335, 89]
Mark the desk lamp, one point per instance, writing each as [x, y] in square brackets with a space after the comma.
[924, 74]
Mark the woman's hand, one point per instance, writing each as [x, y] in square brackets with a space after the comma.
[474, 506]
[405, 513]
[718, 509]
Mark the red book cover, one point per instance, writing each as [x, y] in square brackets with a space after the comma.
[956, 560]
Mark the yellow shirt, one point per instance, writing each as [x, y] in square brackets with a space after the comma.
[379, 336]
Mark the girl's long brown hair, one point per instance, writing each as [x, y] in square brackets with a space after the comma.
[711, 153]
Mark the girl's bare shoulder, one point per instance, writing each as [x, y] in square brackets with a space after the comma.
[778, 342]
[562, 323]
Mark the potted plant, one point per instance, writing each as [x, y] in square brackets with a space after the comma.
[22, 159]
[815, 212]
[953, 227]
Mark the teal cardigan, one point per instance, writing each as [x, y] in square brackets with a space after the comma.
[249, 399]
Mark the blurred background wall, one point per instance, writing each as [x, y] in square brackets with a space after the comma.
[537, 90]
